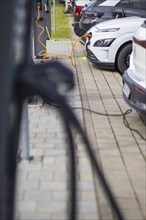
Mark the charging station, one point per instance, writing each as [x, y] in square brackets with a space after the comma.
[48, 18]
[42, 21]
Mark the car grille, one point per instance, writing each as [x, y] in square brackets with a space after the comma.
[90, 55]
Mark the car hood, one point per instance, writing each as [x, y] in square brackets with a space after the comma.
[129, 24]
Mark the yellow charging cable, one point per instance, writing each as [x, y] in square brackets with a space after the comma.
[73, 47]
[45, 53]
[72, 50]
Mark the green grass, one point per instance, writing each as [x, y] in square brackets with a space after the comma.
[62, 24]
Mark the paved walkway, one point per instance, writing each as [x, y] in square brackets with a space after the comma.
[43, 183]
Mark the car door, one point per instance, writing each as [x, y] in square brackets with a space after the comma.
[133, 7]
[143, 5]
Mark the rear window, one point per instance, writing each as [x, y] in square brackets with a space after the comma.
[99, 2]
[91, 3]
[95, 2]
[110, 3]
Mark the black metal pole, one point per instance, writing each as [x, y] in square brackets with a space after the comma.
[15, 20]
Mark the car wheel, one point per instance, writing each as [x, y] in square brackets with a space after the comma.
[123, 58]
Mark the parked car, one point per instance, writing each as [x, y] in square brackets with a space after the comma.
[62, 2]
[69, 6]
[82, 5]
[77, 16]
[79, 4]
[134, 78]
[110, 42]
[111, 9]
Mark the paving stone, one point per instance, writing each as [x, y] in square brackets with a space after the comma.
[86, 207]
[29, 184]
[52, 207]
[59, 195]
[26, 206]
[40, 175]
[53, 185]
[34, 216]
[48, 160]
[38, 195]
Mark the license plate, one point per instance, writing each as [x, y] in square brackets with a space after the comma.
[126, 90]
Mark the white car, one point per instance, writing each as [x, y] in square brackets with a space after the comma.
[110, 43]
[134, 78]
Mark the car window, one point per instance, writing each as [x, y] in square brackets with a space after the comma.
[110, 3]
[123, 3]
[99, 2]
[93, 2]
[143, 4]
[134, 4]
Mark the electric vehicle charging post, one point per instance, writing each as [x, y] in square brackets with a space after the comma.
[48, 17]
[14, 41]
[54, 11]
[40, 7]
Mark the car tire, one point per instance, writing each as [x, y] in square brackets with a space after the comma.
[123, 58]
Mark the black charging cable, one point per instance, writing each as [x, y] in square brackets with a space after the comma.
[72, 172]
[46, 84]
[132, 129]
[49, 91]
[74, 122]
[125, 122]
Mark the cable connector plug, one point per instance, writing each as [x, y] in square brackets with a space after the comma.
[38, 5]
[86, 35]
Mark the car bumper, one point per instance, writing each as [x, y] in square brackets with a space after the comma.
[133, 94]
[86, 26]
[93, 59]
[78, 31]
[77, 18]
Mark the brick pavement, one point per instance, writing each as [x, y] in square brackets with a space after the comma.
[43, 183]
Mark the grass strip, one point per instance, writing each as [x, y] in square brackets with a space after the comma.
[61, 29]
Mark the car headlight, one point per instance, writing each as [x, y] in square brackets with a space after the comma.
[103, 42]
[107, 30]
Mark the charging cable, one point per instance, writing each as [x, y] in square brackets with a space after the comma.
[125, 122]
[39, 84]
[44, 84]
[44, 53]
